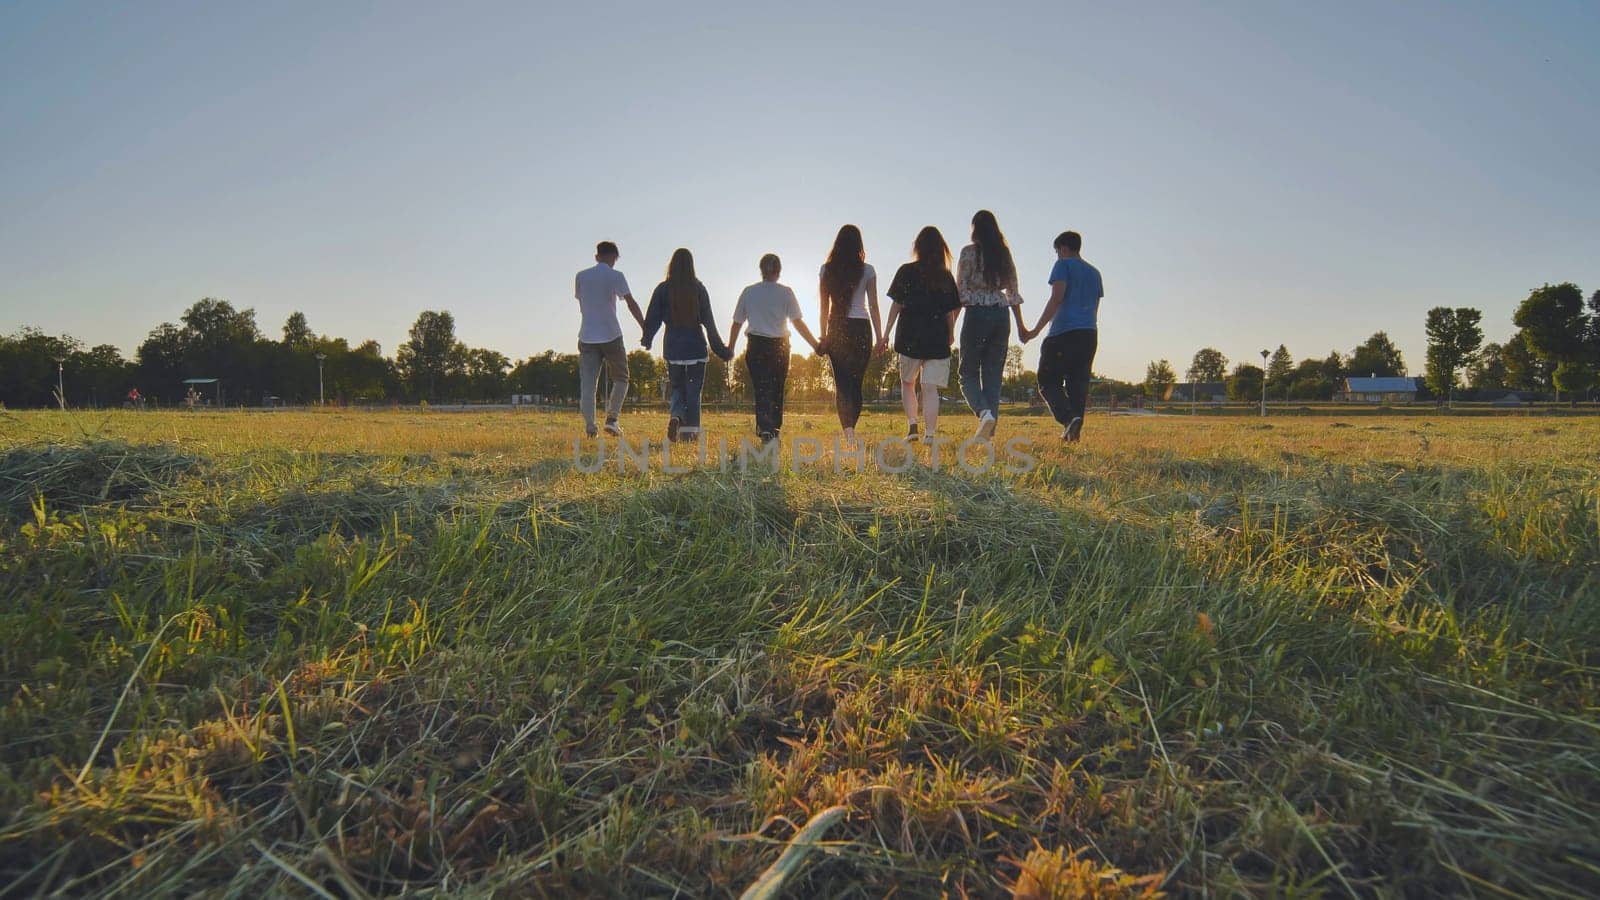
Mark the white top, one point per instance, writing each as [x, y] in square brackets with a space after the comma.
[858, 300]
[598, 290]
[767, 306]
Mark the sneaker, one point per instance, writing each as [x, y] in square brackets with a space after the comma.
[672, 428]
[591, 431]
[1073, 431]
[911, 431]
[613, 429]
[986, 426]
[767, 437]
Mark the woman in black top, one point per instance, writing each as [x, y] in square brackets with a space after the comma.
[926, 303]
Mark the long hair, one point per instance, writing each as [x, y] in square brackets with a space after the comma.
[683, 289]
[994, 256]
[846, 262]
[931, 252]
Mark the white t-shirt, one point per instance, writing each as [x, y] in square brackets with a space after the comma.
[767, 306]
[598, 290]
[858, 300]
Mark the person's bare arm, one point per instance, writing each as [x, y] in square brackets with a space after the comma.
[872, 309]
[894, 313]
[824, 304]
[1058, 293]
[733, 337]
[800, 326]
[633, 307]
[1016, 313]
[951, 316]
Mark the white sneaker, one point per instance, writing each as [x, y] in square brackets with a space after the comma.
[613, 429]
[985, 426]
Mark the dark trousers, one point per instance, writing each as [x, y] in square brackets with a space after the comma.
[850, 349]
[768, 359]
[1065, 362]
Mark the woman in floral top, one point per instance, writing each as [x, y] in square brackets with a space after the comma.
[987, 280]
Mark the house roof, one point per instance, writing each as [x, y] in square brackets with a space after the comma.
[1380, 385]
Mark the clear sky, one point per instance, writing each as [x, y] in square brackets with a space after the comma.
[1244, 174]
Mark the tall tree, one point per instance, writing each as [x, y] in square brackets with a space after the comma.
[1525, 371]
[296, 333]
[1333, 368]
[644, 375]
[1014, 364]
[486, 373]
[1158, 376]
[1594, 328]
[1280, 370]
[425, 359]
[1576, 378]
[1553, 322]
[28, 367]
[1208, 365]
[716, 386]
[1376, 356]
[1245, 382]
[215, 341]
[1488, 370]
[1454, 338]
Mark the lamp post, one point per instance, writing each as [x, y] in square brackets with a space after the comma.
[320, 358]
[1264, 355]
[61, 381]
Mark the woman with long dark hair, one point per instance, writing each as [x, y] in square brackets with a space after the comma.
[987, 279]
[681, 302]
[848, 287]
[926, 303]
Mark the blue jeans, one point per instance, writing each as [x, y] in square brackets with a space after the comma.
[686, 382]
[985, 336]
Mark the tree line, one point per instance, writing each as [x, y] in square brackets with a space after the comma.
[1555, 351]
[213, 339]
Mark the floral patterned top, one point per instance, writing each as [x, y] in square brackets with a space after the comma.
[976, 289]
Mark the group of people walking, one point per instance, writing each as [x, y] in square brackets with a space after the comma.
[926, 301]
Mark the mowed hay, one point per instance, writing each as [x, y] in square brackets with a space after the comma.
[76, 475]
[338, 656]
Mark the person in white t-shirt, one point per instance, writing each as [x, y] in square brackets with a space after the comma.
[598, 290]
[768, 307]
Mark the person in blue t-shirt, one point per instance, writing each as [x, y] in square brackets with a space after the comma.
[1067, 357]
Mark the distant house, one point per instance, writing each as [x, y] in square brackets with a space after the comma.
[1199, 392]
[1378, 390]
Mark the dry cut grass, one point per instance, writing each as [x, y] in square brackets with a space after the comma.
[353, 655]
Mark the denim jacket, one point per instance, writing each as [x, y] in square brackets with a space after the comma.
[683, 343]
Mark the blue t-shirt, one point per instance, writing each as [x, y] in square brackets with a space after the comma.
[1080, 308]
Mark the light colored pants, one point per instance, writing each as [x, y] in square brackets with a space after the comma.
[590, 356]
[985, 337]
[686, 381]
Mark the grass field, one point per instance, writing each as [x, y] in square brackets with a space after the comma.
[350, 654]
